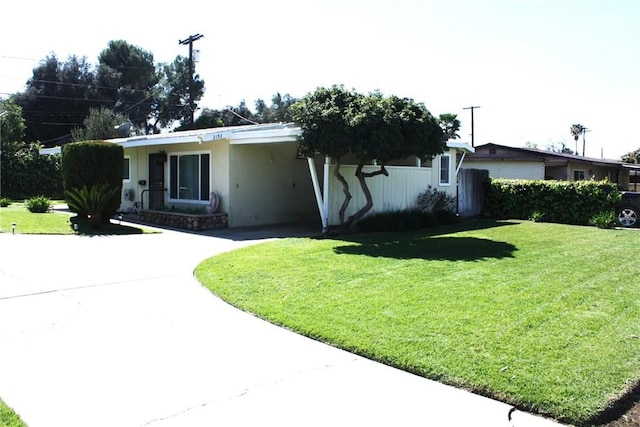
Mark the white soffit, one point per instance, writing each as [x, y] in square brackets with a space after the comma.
[462, 146]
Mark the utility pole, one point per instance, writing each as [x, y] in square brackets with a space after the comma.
[189, 40]
[584, 143]
[473, 144]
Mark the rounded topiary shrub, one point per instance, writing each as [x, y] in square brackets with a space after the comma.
[91, 163]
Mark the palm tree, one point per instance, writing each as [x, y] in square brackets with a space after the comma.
[576, 131]
[450, 125]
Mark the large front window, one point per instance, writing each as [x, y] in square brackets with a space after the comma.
[189, 176]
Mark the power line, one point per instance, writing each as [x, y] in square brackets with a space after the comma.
[243, 118]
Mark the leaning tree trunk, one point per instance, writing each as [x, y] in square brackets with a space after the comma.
[345, 190]
[352, 221]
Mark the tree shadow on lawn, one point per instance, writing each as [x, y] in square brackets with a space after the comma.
[425, 244]
[433, 248]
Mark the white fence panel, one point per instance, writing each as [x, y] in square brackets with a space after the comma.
[397, 191]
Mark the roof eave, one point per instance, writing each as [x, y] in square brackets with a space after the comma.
[461, 146]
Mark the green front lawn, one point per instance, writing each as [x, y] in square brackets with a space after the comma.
[53, 223]
[8, 418]
[33, 223]
[542, 316]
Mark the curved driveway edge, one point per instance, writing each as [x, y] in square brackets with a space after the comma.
[115, 331]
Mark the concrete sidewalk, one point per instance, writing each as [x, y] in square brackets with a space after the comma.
[115, 331]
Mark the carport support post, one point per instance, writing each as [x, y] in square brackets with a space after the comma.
[325, 197]
[322, 205]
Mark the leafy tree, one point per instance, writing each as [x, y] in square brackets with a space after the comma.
[100, 124]
[230, 116]
[560, 147]
[632, 157]
[450, 125]
[208, 119]
[25, 173]
[57, 98]
[336, 122]
[278, 112]
[127, 76]
[172, 104]
[12, 121]
[326, 129]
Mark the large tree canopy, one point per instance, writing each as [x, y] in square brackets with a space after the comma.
[60, 95]
[632, 157]
[57, 98]
[336, 122]
[101, 124]
[128, 75]
[278, 112]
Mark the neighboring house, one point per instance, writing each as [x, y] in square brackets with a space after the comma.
[527, 163]
[258, 178]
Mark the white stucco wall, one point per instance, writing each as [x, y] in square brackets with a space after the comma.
[269, 185]
[139, 169]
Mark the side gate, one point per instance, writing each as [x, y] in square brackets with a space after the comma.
[471, 191]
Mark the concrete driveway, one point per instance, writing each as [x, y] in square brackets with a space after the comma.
[115, 331]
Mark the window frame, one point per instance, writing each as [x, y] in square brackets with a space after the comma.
[446, 183]
[584, 174]
[170, 176]
[126, 159]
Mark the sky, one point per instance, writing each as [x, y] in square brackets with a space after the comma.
[533, 67]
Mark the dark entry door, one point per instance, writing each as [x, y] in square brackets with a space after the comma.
[156, 180]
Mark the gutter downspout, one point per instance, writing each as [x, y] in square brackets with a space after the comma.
[316, 190]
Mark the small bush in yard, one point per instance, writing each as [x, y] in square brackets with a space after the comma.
[39, 204]
[433, 208]
[536, 216]
[434, 201]
[4, 202]
[91, 202]
[606, 219]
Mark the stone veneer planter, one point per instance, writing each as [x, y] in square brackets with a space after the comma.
[185, 221]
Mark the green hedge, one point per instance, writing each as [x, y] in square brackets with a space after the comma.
[90, 163]
[551, 201]
[26, 173]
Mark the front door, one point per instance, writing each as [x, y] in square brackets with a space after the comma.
[156, 181]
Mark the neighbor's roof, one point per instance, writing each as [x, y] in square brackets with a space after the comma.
[545, 155]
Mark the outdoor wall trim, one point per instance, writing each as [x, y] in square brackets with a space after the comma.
[464, 153]
[322, 207]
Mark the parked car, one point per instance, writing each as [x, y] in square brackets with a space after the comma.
[628, 209]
